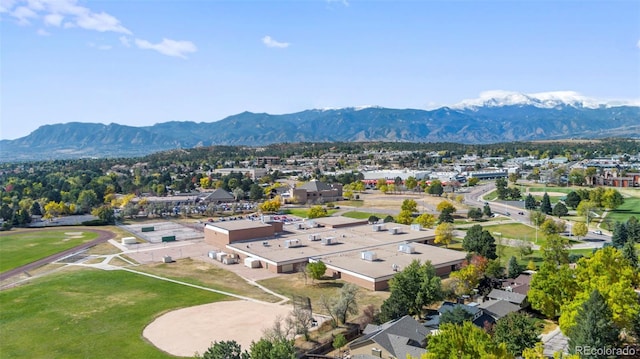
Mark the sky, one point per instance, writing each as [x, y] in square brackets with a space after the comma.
[141, 62]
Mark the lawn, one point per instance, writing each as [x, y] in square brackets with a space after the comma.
[514, 231]
[85, 313]
[207, 275]
[25, 247]
[363, 215]
[293, 284]
[565, 190]
[304, 212]
[630, 207]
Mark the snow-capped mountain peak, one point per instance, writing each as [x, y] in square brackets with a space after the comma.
[499, 98]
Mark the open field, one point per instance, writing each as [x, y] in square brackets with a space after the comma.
[553, 190]
[304, 212]
[24, 247]
[363, 215]
[208, 275]
[293, 284]
[84, 313]
[630, 207]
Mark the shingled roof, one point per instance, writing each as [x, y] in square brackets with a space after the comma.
[316, 186]
[400, 337]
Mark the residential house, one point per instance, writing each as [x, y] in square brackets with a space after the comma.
[394, 339]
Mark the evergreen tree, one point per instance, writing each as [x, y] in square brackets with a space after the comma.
[486, 210]
[513, 268]
[633, 230]
[480, 241]
[457, 315]
[529, 202]
[446, 216]
[545, 205]
[629, 252]
[619, 236]
[594, 326]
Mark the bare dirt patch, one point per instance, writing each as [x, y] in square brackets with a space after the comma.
[184, 332]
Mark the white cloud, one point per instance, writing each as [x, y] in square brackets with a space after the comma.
[168, 47]
[71, 14]
[125, 41]
[53, 19]
[23, 14]
[101, 22]
[270, 42]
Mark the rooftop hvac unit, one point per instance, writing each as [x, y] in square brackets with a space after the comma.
[301, 226]
[292, 243]
[369, 256]
[406, 248]
[329, 241]
[416, 227]
[395, 267]
[376, 352]
[396, 230]
[212, 254]
[377, 227]
[314, 237]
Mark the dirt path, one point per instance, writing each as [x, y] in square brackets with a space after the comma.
[103, 236]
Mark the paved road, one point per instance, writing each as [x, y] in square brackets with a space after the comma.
[103, 236]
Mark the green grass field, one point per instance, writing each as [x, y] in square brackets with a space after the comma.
[85, 313]
[363, 215]
[564, 190]
[21, 248]
[630, 207]
[304, 212]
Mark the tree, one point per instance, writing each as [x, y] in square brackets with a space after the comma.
[339, 341]
[445, 216]
[579, 229]
[611, 274]
[224, 350]
[513, 268]
[426, 220]
[276, 349]
[373, 219]
[572, 200]
[612, 199]
[629, 252]
[486, 210]
[405, 217]
[435, 188]
[255, 192]
[463, 341]
[545, 205]
[271, 206]
[317, 212]
[474, 214]
[414, 287]
[619, 236]
[529, 202]
[444, 234]
[537, 217]
[409, 205]
[105, 214]
[457, 315]
[411, 183]
[347, 303]
[594, 326]
[560, 210]
[555, 250]
[513, 177]
[36, 210]
[316, 270]
[551, 287]
[585, 208]
[549, 227]
[633, 230]
[480, 241]
[518, 331]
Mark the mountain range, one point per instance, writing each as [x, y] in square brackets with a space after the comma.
[495, 117]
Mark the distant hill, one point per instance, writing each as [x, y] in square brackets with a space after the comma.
[492, 120]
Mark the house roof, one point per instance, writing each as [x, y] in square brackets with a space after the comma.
[399, 337]
[220, 194]
[316, 186]
[498, 308]
[512, 297]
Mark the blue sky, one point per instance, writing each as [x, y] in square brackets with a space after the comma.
[144, 62]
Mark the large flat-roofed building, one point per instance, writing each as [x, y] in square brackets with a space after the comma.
[221, 234]
[337, 241]
[374, 267]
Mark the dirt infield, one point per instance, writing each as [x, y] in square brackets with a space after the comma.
[185, 331]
